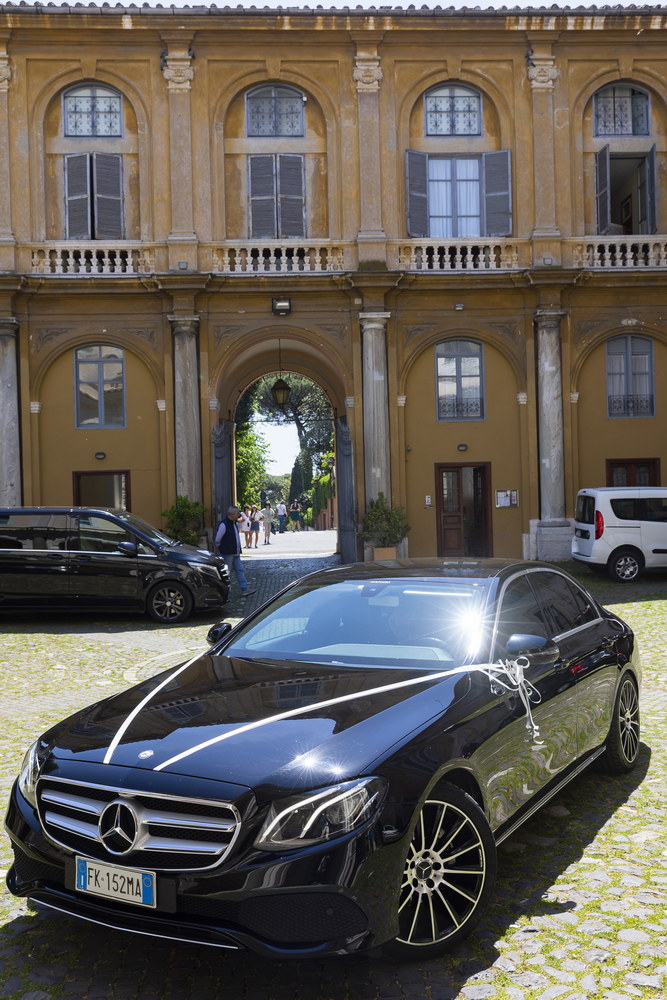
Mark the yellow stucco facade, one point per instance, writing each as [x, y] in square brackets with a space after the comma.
[466, 211]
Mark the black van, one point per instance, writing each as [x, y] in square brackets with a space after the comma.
[97, 559]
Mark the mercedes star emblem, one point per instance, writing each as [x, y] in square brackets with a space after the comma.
[118, 827]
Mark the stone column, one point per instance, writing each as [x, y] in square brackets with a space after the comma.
[7, 241]
[186, 407]
[377, 471]
[553, 541]
[542, 73]
[368, 76]
[178, 73]
[10, 440]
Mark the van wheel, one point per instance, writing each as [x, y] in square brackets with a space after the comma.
[169, 603]
[625, 565]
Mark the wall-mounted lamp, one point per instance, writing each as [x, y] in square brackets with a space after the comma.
[281, 307]
[462, 447]
[458, 306]
[100, 455]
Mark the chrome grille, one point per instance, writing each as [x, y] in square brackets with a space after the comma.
[167, 833]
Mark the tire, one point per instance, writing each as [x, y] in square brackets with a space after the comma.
[448, 876]
[169, 603]
[625, 565]
[622, 743]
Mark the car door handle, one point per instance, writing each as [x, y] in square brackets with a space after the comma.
[56, 557]
[83, 558]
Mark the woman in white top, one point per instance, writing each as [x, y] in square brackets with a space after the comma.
[244, 526]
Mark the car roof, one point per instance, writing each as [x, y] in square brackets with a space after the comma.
[479, 570]
[62, 510]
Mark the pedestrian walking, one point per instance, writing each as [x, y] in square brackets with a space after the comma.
[295, 515]
[255, 521]
[268, 516]
[244, 526]
[281, 510]
[228, 544]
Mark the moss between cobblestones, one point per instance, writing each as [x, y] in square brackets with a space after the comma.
[580, 909]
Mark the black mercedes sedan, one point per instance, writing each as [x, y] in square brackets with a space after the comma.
[336, 772]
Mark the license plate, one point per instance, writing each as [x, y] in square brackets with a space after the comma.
[128, 885]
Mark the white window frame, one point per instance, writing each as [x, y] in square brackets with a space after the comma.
[97, 91]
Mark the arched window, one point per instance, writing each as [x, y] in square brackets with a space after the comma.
[99, 381]
[452, 110]
[92, 111]
[275, 111]
[621, 110]
[630, 377]
[459, 380]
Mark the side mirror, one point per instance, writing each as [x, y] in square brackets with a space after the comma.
[129, 548]
[218, 632]
[539, 650]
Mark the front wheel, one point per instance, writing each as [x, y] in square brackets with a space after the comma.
[448, 877]
[625, 565]
[169, 603]
[622, 743]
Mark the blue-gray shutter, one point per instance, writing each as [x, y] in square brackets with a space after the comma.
[497, 193]
[602, 192]
[262, 185]
[291, 200]
[416, 183]
[108, 186]
[77, 196]
[651, 213]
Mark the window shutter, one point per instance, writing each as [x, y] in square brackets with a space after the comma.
[651, 214]
[77, 196]
[262, 197]
[602, 184]
[497, 193]
[108, 181]
[416, 182]
[291, 200]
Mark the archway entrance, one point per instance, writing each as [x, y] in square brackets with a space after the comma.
[257, 361]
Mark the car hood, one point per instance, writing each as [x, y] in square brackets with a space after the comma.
[259, 723]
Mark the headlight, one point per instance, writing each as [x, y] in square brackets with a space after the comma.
[29, 772]
[304, 820]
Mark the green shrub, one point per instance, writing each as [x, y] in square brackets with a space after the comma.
[184, 520]
[384, 525]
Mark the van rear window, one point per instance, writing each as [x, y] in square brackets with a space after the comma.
[585, 512]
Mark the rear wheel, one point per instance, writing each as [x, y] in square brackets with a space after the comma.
[625, 565]
[169, 602]
[448, 877]
[622, 744]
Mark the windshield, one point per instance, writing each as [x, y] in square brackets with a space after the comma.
[430, 624]
[152, 533]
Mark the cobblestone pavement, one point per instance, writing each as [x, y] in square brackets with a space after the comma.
[580, 907]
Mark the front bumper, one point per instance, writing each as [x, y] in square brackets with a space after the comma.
[327, 901]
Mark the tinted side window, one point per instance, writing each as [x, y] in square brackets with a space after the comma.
[33, 531]
[628, 509]
[519, 612]
[655, 509]
[566, 605]
[97, 534]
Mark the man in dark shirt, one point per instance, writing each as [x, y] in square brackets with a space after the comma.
[228, 544]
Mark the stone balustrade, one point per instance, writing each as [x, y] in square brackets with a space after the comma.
[92, 257]
[483, 254]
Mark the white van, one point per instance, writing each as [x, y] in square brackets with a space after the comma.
[621, 528]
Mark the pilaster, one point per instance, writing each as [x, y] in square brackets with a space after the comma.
[377, 471]
[186, 407]
[178, 73]
[10, 441]
[368, 78]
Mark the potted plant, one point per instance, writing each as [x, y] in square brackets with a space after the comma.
[384, 527]
[184, 520]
